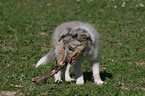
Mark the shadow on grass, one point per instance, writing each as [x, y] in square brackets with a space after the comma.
[105, 75]
[88, 76]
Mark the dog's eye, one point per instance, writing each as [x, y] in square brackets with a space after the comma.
[71, 48]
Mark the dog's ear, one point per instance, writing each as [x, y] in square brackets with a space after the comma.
[83, 34]
[64, 33]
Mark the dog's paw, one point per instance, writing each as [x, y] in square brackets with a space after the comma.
[57, 78]
[69, 79]
[100, 82]
[58, 81]
[80, 81]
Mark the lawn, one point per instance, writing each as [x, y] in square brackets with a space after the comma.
[26, 27]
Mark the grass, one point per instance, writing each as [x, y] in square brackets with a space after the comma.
[26, 27]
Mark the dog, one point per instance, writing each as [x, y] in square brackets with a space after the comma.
[74, 42]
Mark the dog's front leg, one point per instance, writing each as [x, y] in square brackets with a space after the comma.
[59, 55]
[66, 74]
[96, 72]
[58, 77]
[78, 73]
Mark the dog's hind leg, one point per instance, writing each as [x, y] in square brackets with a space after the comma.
[96, 72]
[78, 73]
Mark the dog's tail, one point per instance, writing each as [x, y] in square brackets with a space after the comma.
[46, 58]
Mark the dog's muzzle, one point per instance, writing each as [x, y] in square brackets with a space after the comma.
[72, 57]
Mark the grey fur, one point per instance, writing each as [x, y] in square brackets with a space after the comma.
[91, 53]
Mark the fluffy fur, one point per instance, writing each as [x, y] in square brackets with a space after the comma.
[91, 53]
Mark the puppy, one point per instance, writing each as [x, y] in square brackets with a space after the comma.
[74, 42]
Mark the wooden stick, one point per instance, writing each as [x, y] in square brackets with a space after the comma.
[48, 75]
[60, 65]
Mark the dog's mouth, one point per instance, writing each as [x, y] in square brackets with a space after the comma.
[73, 59]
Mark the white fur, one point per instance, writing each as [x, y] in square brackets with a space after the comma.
[58, 77]
[96, 73]
[46, 58]
[78, 73]
[91, 53]
[66, 73]
[42, 61]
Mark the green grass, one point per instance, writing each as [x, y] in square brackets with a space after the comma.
[26, 27]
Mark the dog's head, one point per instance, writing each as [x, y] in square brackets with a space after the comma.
[75, 42]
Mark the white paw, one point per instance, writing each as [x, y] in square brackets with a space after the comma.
[80, 80]
[58, 81]
[100, 82]
[69, 79]
[57, 78]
